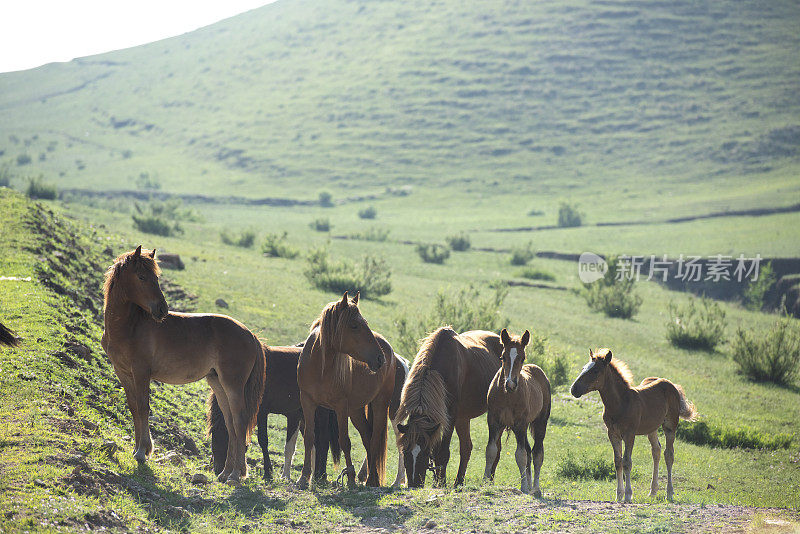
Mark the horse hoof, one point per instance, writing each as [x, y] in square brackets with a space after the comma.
[302, 484]
[140, 456]
[537, 494]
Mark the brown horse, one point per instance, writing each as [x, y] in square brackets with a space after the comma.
[634, 411]
[446, 388]
[147, 342]
[518, 400]
[343, 367]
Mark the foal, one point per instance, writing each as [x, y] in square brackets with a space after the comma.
[518, 400]
[634, 411]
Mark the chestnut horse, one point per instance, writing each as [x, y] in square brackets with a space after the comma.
[630, 411]
[147, 342]
[281, 396]
[446, 388]
[518, 400]
[343, 367]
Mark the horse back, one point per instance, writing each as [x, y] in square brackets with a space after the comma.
[281, 393]
[660, 400]
[477, 353]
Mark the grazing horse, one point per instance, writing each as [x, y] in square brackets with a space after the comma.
[147, 342]
[343, 367]
[518, 400]
[281, 396]
[446, 388]
[630, 411]
[8, 337]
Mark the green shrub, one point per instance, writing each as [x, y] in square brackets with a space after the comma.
[612, 296]
[585, 468]
[275, 245]
[371, 276]
[771, 357]
[532, 273]
[145, 181]
[325, 199]
[569, 216]
[459, 242]
[38, 188]
[535, 213]
[464, 309]
[701, 433]
[244, 239]
[155, 224]
[23, 159]
[368, 213]
[433, 253]
[323, 224]
[522, 255]
[696, 327]
[5, 175]
[554, 365]
[754, 293]
[373, 234]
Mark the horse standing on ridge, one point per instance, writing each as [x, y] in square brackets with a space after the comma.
[446, 388]
[518, 400]
[630, 411]
[145, 341]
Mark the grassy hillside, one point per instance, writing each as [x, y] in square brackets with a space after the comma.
[649, 107]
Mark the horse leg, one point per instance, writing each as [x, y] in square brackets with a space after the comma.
[492, 447]
[235, 392]
[224, 406]
[627, 464]
[440, 459]
[309, 411]
[655, 448]
[616, 444]
[364, 429]
[344, 444]
[539, 428]
[292, 430]
[401, 466]
[130, 397]
[523, 458]
[669, 458]
[263, 442]
[141, 387]
[464, 449]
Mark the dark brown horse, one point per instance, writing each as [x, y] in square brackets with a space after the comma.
[518, 400]
[446, 388]
[281, 396]
[343, 367]
[147, 342]
[630, 411]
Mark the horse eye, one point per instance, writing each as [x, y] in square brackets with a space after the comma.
[141, 277]
[354, 326]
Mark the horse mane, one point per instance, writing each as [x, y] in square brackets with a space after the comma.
[329, 325]
[424, 397]
[620, 368]
[122, 261]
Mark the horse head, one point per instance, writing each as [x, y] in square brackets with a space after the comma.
[593, 373]
[513, 357]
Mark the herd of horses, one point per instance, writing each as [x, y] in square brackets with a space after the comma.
[344, 372]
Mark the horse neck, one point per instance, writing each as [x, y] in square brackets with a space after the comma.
[614, 390]
[119, 315]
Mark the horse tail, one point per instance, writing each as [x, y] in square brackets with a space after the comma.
[254, 390]
[688, 411]
[8, 337]
[216, 429]
[333, 432]
[378, 443]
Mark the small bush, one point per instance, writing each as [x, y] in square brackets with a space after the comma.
[5, 175]
[402, 191]
[323, 224]
[325, 199]
[156, 224]
[368, 213]
[611, 296]
[554, 365]
[38, 188]
[145, 181]
[585, 468]
[371, 276]
[433, 253]
[275, 245]
[464, 309]
[771, 357]
[753, 297]
[23, 159]
[373, 234]
[522, 255]
[569, 216]
[532, 273]
[459, 243]
[696, 327]
[535, 213]
[701, 433]
[244, 239]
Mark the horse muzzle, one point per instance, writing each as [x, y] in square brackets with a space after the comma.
[376, 363]
[576, 391]
[159, 311]
[511, 385]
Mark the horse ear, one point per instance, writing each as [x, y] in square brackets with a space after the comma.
[607, 357]
[343, 302]
[153, 254]
[355, 299]
[137, 252]
[402, 428]
[591, 355]
[504, 337]
[525, 338]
